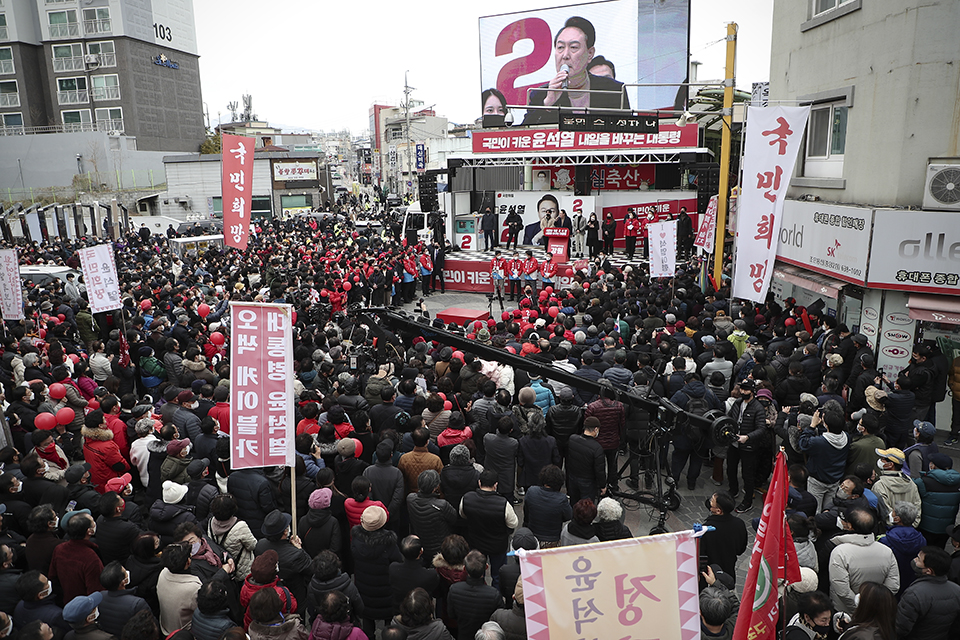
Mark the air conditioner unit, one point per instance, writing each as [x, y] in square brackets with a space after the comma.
[942, 187]
[92, 58]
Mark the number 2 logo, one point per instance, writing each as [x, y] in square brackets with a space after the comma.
[535, 29]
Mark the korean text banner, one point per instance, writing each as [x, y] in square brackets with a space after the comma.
[100, 278]
[626, 589]
[645, 42]
[236, 188]
[261, 385]
[773, 141]
[662, 238]
[11, 290]
[707, 233]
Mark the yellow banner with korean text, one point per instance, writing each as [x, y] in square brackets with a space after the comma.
[634, 589]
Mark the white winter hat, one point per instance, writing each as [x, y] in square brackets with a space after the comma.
[173, 492]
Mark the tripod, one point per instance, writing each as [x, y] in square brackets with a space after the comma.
[663, 501]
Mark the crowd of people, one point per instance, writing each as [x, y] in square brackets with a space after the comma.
[418, 477]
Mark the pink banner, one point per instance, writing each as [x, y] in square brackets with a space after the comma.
[236, 188]
[533, 140]
[100, 278]
[473, 276]
[707, 233]
[11, 289]
[261, 385]
[774, 135]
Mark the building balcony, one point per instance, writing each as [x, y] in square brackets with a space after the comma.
[61, 1]
[106, 93]
[6, 66]
[93, 27]
[68, 30]
[108, 59]
[110, 125]
[73, 97]
[74, 127]
[9, 99]
[12, 131]
[74, 63]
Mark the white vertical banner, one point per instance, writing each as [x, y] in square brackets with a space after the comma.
[100, 278]
[261, 385]
[773, 141]
[11, 291]
[33, 226]
[662, 237]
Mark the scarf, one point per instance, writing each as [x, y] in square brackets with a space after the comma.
[206, 553]
[51, 455]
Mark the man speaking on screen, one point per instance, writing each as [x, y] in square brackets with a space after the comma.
[573, 49]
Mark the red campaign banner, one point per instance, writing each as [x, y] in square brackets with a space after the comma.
[236, 189]
[261, 385]
[522, 140]
[707, 233]
[649, 213]
[473, 276]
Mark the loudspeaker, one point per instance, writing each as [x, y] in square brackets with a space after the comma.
[581, 180]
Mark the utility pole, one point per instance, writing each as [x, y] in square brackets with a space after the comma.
[407, 89]
[728, 89]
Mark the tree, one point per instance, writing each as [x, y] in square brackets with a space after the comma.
[211, 145]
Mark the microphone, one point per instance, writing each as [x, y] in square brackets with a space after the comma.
[566, 81]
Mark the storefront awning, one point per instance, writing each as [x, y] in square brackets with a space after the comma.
[819, 284]
[933, 308]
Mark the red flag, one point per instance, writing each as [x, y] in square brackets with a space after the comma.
[124, 351]
[236, 188]
[773, 559]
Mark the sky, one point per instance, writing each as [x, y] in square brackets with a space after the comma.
[320, 65]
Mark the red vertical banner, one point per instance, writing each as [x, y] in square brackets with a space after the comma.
[773, 560]
[236, 188]
[261, 385]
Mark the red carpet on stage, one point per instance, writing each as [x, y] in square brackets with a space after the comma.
[458, 315]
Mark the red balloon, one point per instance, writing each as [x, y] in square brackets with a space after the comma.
[203, 310]
[347, 286]
[442, 394]
[553, 311]
[45, 421]
[599, 273]
[447, 405]
[548, 289]
[569, 271]
[53, 320]
[217, 338]
[43, 333]
[65, 416]
[146, 304]
[74, 358]
[61, 317]
[57, 391]
[356, 278]
[93, 404]
[324, 293]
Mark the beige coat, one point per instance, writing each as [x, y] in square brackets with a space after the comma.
[178, 598]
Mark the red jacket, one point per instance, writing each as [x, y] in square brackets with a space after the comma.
[548, 269]
[76, 566]
[119, 429]
[288, 604]
[631, 228]
[426, 262]
[530, 265]
[221, 411]
[514, 268]
[103, 455]
[355, 509]
[410, 265]
[499, 265]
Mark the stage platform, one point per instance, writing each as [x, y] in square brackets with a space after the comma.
[461, 315]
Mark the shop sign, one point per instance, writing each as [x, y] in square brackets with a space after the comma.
[827, 239]
[916, 251]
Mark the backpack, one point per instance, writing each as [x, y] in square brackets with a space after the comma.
[697, 406]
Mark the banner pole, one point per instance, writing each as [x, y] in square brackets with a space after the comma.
[725, 139]
[293, 500]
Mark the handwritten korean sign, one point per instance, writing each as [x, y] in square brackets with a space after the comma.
[261, 385]
[100, 277]
[774, 135]
[662, 237]
[638, 588]
[236, 187]
[11, 291]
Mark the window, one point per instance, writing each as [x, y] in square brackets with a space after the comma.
[822, 6]
[109, 119]
[6, 60]
[261, 207]
[106, 51]
[827, 131]
[78, 120]
[106, 87]
[3, 27]
[296, 201]
[68, 57]
[72, 90]
[11, 124]
[97, 20]
[63, 24]
[9, 94]
[217, 207]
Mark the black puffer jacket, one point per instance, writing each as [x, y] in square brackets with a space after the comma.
[353, 403]
[754, 422]
[432, 519]
[373, 551]
[117, 608]
[564, 420]
[340, 582]
[164, 518]
[319, 531]
[457, 480]
[255, 497]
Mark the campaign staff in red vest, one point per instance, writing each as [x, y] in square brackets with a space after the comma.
[530, 269]
[631, 229]
[498, 269]
[426, 270]
[548, 270]
[514, 270]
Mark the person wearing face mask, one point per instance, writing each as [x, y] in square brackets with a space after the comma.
[38, 603]
[11, 497]
[812, 621]
[174, 466]
[893, 486]
[184, 418]
[120, 603]
[750, 418]
[46, 448]
[37, 489]
[100, 451]
[863, 447]
[930, 607]
[76, 564]
[82, 613]
[728, 540]
[859, 558]
[903, 539]
[294, 564]
[43, 524]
